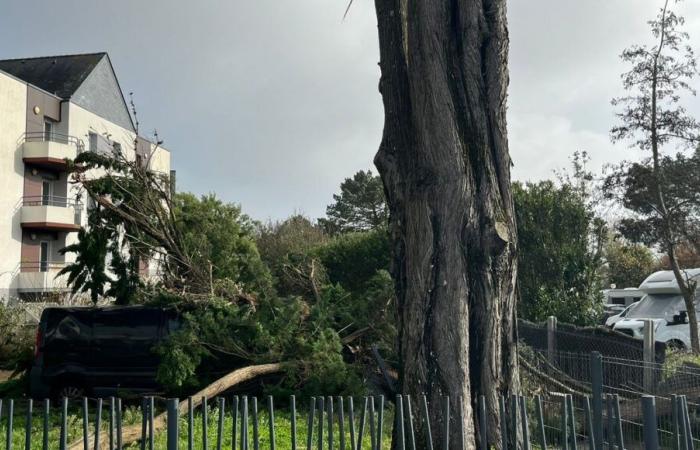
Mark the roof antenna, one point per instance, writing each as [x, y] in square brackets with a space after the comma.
[133, 111]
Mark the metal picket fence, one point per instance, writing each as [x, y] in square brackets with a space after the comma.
[565, 422]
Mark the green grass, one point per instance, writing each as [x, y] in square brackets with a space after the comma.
[132, 416]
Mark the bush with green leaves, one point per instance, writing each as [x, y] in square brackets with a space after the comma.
[218, 336]
[16, 339]
[352, 259]
[559, 253]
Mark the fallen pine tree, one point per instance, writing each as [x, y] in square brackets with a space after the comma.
[132, 433]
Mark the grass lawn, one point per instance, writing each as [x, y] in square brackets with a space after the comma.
[132, 415]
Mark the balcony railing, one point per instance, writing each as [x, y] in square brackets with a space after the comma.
[51, 200]
[40, 136]
[41, 266]
[51, 212]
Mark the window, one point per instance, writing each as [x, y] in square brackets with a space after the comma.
[45, 193]
[93, 142]
[48, 130]
[44, 256]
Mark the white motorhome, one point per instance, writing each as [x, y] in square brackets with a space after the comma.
[622, 297]
[663, 304]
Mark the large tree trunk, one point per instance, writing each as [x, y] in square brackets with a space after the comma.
[446, 170]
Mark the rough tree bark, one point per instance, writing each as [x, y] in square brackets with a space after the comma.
[445, 167]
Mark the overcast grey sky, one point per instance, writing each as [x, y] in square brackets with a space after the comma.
[271, 103]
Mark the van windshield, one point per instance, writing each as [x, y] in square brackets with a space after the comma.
[657, 306]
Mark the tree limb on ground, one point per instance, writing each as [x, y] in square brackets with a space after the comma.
[132, 433]
[547, 379]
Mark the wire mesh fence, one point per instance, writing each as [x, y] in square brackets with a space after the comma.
[572, 339]
[564, 373]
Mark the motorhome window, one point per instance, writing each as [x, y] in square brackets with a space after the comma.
[656, 306]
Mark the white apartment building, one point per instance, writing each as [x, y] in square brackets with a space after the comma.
[51, 109]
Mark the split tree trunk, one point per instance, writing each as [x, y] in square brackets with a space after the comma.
[445, 167]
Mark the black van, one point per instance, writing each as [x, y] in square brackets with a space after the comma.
[98, 351]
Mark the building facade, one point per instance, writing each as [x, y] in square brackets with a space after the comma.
[52, 109]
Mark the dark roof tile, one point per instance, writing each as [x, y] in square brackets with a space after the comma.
[59, 75]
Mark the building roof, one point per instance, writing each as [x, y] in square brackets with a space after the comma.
[59, 75]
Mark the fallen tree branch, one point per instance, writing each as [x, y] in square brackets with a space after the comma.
[132, 433]
[546, 378]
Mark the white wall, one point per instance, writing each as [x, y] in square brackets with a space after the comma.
[81, 122]
[13, 122]
[160, 160]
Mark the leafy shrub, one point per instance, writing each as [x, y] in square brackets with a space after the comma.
[352, 259]
[16, 339]
[218, 336]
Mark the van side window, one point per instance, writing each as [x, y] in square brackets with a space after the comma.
[117, 325]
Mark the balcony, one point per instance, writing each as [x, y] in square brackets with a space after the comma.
[50, 150]
[41, 276]
[45, 212]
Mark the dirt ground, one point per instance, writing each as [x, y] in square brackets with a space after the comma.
[5, 375]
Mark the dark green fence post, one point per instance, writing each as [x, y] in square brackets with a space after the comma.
[597, 388]
[151, 418]
[256, 431]
[483, 439]
[675, 445]
[10, 417]
[428, 433]
[64, 425]
[205, 423]
[271, 421]
[618, 423]
[85, 423]
[351, 423]
[310, 426]
[221, 403]
[293, 403]
[341, 423]
[399, 420]
[190, 424]
[28, 427]
[321, 414]
[504, 422]
[234, 421]
[525, 425]
[409, 417]
[119, 423]
[244, 424]
[98, 424]
[540, 423]
[589, 422]
[651, 437]
[572, 420]
[47, 415]
[111, 423]
[173, 424]
[380, 421]
[564, 424]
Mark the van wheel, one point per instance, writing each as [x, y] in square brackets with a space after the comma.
[71, 392]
